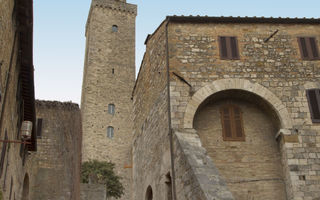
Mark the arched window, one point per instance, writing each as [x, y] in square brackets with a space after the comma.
[149, 195]
[114, 28]
[111, 109]
[168, 186]
[110, 132]
[232, 125]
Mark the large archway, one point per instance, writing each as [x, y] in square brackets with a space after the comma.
[237, 84]
[250, 164]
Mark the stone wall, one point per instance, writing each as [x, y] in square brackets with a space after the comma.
[151, 150]
[274, 66]
[58, 157]
[15, 162]
[93, 191]
[109, 75]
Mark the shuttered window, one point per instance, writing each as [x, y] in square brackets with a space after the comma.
[232, 125]
[228, 48]
[313, 96]
[110, 132]
[308, 48]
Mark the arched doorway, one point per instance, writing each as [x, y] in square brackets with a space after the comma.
[238, 130]
[25, 191]
[149, 193]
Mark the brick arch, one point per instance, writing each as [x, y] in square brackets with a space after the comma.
[239, 84]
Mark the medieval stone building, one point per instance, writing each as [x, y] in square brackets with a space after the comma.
[16, 97]
[228, 108]
[109, 75]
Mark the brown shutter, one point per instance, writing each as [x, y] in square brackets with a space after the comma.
[226, 122]
[223, 47]
[234, 48]
[303, 47]
[314, 49]
[237, 118]
[313, 97]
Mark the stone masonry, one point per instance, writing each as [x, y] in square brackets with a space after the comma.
[280, 154]
[58, 158]
[109, 75]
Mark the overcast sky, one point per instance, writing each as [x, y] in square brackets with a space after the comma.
[59, 39]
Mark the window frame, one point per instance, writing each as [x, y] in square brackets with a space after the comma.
[111, 109]
[308, 48]
[229, 48]
[232, 120]
[111, 133]
[311, 110]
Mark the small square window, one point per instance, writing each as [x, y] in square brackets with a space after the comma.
[114, 28]
[308, 48]
[228, 48]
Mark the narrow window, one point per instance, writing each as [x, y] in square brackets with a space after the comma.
[169, 186]
[308, 48]
[112, 70]
[232, 125]
[149, 194]
[313, 96]
[114, 28]
[111, 109]
[3, 152]
[110, 132]
[11, 185]
[39, 127]
[228, 48]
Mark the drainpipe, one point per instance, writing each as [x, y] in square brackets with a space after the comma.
[5, 92]
[173, 177]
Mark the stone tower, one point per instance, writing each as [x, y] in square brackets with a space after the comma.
[108, 80]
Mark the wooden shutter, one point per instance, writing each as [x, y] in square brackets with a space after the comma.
[223, 48]
[226, 122]
[232, 125]
[228, 47]
[313, 97]
[308, 48]
[314, 48]
[237, 118]
[234, 48]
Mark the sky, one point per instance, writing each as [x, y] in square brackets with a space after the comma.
[59, 38]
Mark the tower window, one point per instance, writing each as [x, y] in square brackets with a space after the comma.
[313, 96]
[110, 132]
[111, 109]
[232, 125]
[228, 48]
[308, 48]
[114, 28]
[112, 70]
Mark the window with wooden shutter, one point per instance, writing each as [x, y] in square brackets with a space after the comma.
[228, 48]
[313, 96]
[308, 48]
[232, 125]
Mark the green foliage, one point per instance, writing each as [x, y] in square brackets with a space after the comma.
[103, 172]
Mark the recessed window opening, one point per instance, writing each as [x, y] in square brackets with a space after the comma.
[111, 109]
[114, 28]
[149, 194]
[232, 125]
[110, 132]
[313, 96]
[228, 48]
[308, 48]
